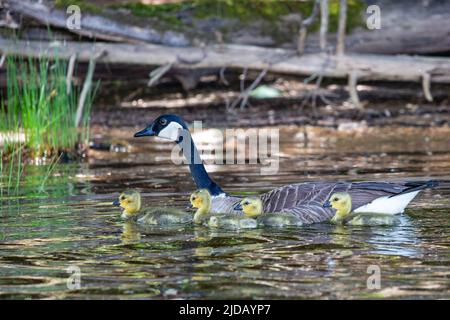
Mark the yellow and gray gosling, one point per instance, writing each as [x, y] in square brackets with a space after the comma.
[342, 202]
[253, 207]
[201, 200]
[130, 201]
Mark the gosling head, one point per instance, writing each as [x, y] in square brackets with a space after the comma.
[168, 126]
[342, 202]
[130, 201]
[251, 207]
[201, 199]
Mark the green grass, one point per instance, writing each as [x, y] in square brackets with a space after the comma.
[39, 110]
[38, 119]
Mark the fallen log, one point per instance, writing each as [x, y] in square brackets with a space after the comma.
[98, 27]
[412, 28]
[367, 66]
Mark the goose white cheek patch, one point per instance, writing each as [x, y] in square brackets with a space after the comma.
[171, 132]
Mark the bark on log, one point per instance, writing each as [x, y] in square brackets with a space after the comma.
[368, 67]
[97, 26]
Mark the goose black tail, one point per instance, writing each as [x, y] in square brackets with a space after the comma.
[417, 186]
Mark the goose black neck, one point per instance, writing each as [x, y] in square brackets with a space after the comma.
[198, 171]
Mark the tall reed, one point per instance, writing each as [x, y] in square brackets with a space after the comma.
[37, 116]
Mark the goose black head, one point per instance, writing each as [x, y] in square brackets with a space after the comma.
[166, 126]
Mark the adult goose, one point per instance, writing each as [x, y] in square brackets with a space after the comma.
[304, 200]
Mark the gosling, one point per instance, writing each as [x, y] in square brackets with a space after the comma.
[251, 211]
[130, 201]
[253, 207]
[342, 202]
[201, 200]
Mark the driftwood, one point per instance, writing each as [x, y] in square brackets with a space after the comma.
[96, 26]
[368, 67]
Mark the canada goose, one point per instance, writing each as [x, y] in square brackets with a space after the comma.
[253, 207]
[304, 200]
[130, 201]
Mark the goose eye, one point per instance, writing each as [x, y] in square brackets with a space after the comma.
[246, 203]
[193, 198]
[336, 199]
[122, 197]
[163, 121]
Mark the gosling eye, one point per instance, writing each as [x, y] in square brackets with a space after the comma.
[163, 121]
[336, 199]
[193, 198]
[246, 203]
[122, 197]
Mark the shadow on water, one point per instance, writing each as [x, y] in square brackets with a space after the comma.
[72, 223]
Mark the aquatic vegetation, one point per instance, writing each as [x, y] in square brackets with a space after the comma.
[38, 113]
[41, 110]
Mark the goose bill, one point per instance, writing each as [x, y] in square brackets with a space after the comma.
[147, 132]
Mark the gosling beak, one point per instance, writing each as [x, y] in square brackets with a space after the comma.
[145, 132]
[327, 204]
[238, 207]
[189, 206]
[116, 203]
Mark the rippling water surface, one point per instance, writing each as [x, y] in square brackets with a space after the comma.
[72, 224]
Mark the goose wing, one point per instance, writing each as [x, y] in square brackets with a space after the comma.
[225, 204]
[305, 200]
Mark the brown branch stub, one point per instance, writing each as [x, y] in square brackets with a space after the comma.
[426, 86]
[87, 85]
[340, 46]
[303, 31]
[352, 83]
[70, 70]
[156, 74]
[324, 15]
[2, 59]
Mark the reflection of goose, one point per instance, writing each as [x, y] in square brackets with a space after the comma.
[303, 200]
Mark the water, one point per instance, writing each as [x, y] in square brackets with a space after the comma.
[73, 224]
